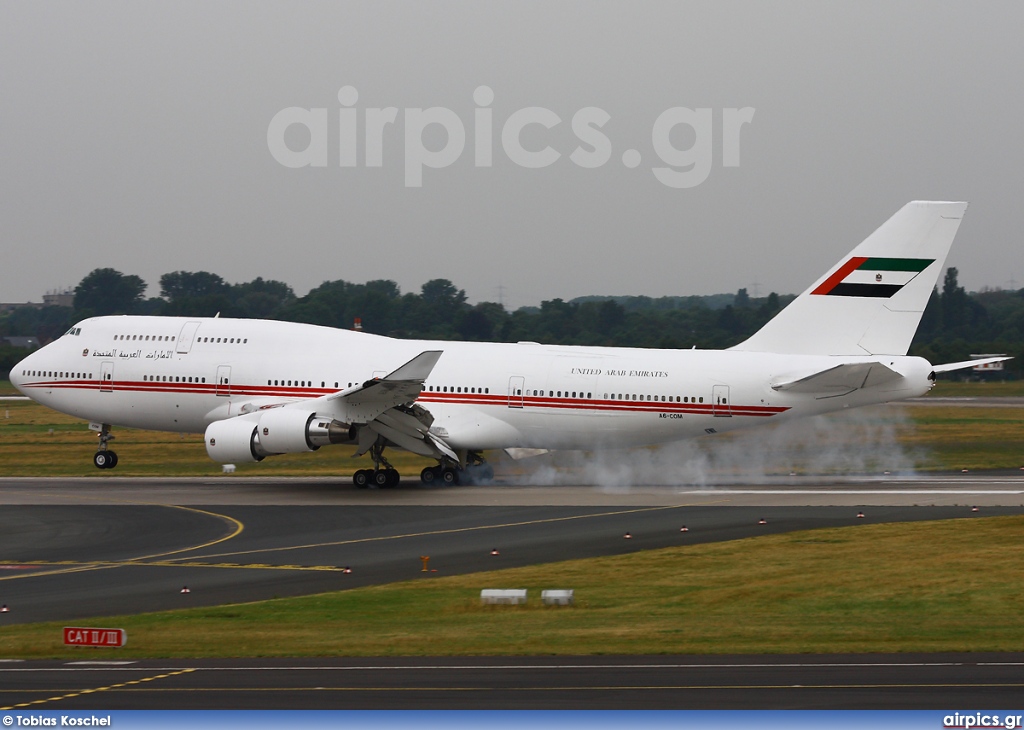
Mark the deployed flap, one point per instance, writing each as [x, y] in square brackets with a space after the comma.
[410, 430]
[951, 366]
[841, 379]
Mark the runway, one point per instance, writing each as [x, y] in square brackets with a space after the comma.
[75, 549]
[924, 681]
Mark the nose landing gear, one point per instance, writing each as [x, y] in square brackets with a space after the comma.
[105, 458]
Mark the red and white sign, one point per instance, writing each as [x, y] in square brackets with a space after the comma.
[79, 636]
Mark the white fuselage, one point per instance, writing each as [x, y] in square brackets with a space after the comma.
[181, 374]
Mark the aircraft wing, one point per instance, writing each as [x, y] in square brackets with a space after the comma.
[363, 403]
[386, 407]
[841, 379]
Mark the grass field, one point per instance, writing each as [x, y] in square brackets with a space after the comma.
[921, 587]
[993, 389]
[36, 441]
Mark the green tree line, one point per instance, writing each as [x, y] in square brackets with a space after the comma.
[955, 324]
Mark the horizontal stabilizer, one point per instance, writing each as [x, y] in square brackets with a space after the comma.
[951, 366]
[841, 379]
[518, 453]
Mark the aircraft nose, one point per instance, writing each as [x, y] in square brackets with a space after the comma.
[17, 376]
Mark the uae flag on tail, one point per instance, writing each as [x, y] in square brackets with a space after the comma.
[871, 277]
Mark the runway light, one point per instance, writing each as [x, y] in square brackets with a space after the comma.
[4, 609]
[886, 473]
[974, 509]
[494, 551]
[346, 570]
[184, 589]
[684, 528]
[425, 559]
[792, 473]
[628, 536]
[860, 515]
[762, 521]
[963, 471]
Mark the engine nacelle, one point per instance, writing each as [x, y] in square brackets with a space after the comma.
[290, 430]
[276, 431]
[234, 440]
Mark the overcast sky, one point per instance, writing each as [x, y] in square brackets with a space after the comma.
[135, 136]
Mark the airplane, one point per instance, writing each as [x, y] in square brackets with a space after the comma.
[258, 388]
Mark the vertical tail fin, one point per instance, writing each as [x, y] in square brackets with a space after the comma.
[871, 302]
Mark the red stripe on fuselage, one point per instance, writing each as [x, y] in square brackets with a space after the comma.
[477, 399]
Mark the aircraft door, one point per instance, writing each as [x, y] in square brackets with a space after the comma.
[223, 380]
[106, 376]
[720, 405]
[186, 337]
[515, 391]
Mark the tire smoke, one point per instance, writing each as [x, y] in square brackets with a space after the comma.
[850, 443]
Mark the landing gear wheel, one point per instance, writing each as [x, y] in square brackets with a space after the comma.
[362, 478]
[449, 476]
[385, 478]
[102, 460]
[112, 455]
[430, 475]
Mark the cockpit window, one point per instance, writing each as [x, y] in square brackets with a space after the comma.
[74, 331]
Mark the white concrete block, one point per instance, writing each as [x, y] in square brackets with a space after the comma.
[507, 596]
[557, 598]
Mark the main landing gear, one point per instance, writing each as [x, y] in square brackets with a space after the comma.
[105, 458]
[476, 471]
[377, 477]
[448, 472]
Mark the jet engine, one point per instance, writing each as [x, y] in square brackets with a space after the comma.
[275, 431]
